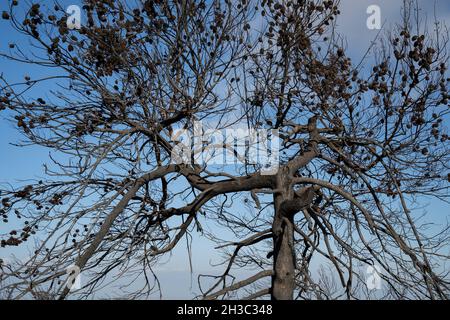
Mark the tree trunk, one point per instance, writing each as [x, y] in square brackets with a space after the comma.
[283, 281]
[283, 278]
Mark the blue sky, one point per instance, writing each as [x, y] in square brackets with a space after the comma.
[25, 163]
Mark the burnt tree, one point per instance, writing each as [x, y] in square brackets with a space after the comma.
[360, 144]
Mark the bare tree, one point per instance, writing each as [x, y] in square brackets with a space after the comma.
[360, 143]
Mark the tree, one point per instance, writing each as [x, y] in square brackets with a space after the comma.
[359, 144]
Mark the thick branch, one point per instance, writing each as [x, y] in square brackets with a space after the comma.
[240, 284]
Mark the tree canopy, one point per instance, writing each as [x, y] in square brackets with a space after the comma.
[359, 143]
